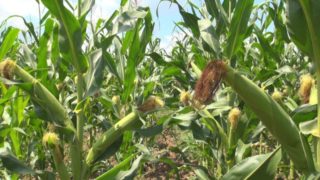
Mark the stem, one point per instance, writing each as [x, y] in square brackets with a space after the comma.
[58, 161]
[39, 13]
[79, 8]
[76, 149]
[80, 114]
[291, 172]
[231, 143]
[260, 144]
[75, 155]
[219, 128]
[231, 137]
[318, 116]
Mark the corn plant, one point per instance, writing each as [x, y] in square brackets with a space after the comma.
[83, 98]
[236, 31]
[59, 79]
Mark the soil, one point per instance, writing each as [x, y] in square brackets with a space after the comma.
[157, 170]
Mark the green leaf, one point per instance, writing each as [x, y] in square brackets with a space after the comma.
[304, 113]
[266, 47]
[126, 20]
[111, 65]
[137, 43]
[158, 59]
[190, 20]
[43, 51]
[13, 164]
[117, 172]
[276, 15]
[29, 25]
[8, 41]
[70, 34]
[303, 25]
[132, 62]
[201, 174]
[217, 12]
[238, 26]
[256, 167]
[123, 2]
[94, 76]
[146, 35]
[130, 173]
[150, 131]
[242, 151]
[309, 127]
[85, 8]
[209, 36]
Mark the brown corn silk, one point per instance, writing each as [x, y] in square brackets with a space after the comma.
[6, 69]
[209, 81]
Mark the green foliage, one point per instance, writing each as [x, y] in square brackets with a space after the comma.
[91, 83]
[71, 37]
[256, 167]
[8, 41]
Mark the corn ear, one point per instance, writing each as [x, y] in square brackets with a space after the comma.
[110, 136]
[115, 132]
[274, 118]
[233, 118]
[39, 93]
[51, 140]
[52, 107]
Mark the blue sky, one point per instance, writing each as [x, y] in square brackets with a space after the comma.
[164, 24]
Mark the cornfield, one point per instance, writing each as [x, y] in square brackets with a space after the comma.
[236, 97]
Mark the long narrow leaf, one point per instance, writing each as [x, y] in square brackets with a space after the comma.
[238, 26]
[70, 31]
[303, 25]
[256, 167]
[8, 41]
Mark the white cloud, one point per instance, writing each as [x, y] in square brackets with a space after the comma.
[104, 8]
[29, 10]
[26, 8]
[19, 7]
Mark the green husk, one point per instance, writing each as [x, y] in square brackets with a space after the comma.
[274, 118]
[39, 93]
[110, 136]
[47, 101]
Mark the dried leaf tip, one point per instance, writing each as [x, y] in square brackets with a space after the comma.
[209, 81]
